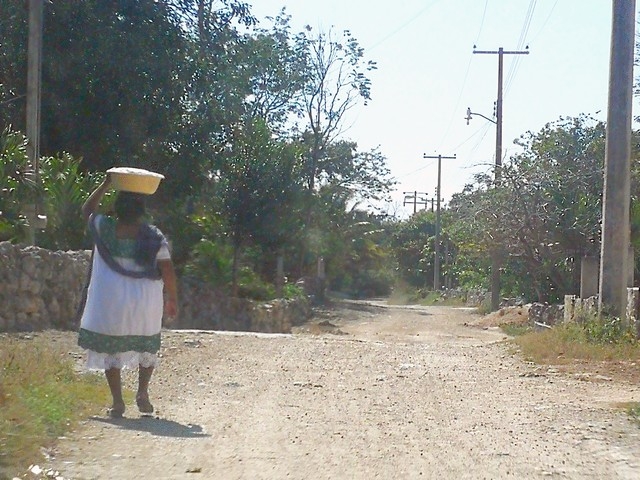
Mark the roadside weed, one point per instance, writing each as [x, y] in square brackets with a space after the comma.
[41, 397]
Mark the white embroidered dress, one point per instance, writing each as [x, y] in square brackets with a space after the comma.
[122, 318]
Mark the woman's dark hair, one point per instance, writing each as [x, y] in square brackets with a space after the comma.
[129, 207]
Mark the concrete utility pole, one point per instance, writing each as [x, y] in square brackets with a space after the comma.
[615, 204]
[495, 256]
[34, 74]
[412, 197]
[436, 260]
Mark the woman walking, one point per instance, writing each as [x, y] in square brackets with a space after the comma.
[132, 284]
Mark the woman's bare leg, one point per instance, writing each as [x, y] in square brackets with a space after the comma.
[142, 397]
[115, 385]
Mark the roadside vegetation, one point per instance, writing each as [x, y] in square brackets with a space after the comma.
[591, 344]
[568, 342]
[41, 398]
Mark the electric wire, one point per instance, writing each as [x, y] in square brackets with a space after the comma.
[18, 97]
[464, 81]
[430, 164]
[484, 14]
[513, 69]
[544, 24]
[402, 26]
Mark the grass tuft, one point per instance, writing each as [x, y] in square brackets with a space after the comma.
[633, 409]
[406, 295]
[515, 330]
[41, 397]
[573, 341]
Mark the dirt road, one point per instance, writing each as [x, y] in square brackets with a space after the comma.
[367, 391]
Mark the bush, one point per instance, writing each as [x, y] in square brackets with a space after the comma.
[17, 187]
[251, 286]
[292, 291]
[608, 330]
[211, 262]
[65, 188]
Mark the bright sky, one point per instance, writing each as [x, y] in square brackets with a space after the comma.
[427, 76]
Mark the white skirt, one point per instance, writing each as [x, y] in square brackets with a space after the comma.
[122, 318]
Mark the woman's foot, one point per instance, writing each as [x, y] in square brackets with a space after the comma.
[144, 405]
[116, 410]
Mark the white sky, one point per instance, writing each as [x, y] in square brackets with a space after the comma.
[427, 76]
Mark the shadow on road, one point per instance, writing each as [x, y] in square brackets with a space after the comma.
[155, 426]
[374, 306]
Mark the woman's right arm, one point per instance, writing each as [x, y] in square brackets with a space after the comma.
[93, 202]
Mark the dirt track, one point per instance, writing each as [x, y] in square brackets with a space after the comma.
[367, 391]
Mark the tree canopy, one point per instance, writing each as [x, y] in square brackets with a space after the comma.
[243, 119]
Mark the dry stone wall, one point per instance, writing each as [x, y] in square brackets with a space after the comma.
[41, 289]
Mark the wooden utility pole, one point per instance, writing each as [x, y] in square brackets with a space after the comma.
[412, 197]
[615, 205]
[436, 260]
[496, 255]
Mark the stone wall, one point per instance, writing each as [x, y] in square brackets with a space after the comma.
[575, 308]
[471, 297]
[41, 289]
[203, 307]
[545, 315]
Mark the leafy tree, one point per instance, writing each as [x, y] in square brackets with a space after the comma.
[111, 79]
[258, 185]
[13, 64]
[361, 262]
[276, 71]
[545, 213]
[216, 87]
[335, 82]
[413, 244]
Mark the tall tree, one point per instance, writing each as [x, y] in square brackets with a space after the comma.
[258, 186]
[276, 71]
[111, 88]
[336, 80]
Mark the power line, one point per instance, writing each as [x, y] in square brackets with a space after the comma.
[521, 43]
[12, 99]
[403, 26]
[464, 81]
[535, 37]
[418, 170]
[484, 14]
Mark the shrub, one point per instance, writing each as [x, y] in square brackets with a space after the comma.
[212, 262]
[251, 286]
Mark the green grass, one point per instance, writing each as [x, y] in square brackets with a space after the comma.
[633, 409]
[405, 295]
[515, 330]
[573, 341]
[41, 398]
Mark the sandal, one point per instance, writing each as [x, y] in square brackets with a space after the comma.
[144, 405]
[116, 412]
